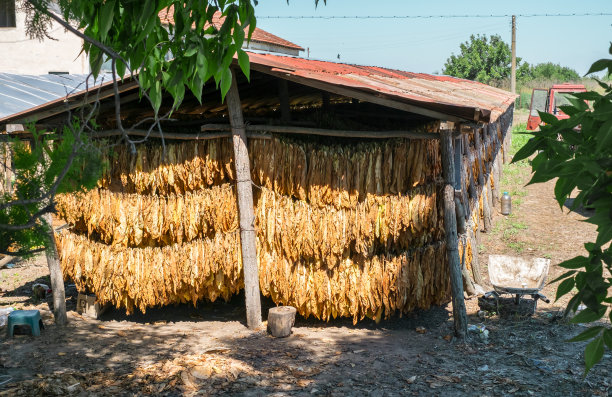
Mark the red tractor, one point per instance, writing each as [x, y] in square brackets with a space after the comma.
[549, 101]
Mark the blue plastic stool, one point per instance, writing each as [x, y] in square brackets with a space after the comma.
[25, 317]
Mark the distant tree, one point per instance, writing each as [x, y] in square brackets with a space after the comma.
[483, 59]
[550, 71]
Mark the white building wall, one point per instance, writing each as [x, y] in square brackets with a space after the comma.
[21, 55]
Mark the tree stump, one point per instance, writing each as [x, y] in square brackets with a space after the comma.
[281, 320]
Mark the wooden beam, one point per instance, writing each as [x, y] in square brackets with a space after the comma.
[177, 136]
[450, 228]
[286, 129]
[358, 94]
[244, 189]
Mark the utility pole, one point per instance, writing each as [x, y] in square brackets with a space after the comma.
[513, 68]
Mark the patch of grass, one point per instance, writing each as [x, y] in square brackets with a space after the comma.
[510, 227]
[517, 246]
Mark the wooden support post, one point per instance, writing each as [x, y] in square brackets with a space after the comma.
[56, 276]
[450, 228]
[283, 95]
[246, 213]
[495, 179]
[478, 145]
[476, 271]
[486, 208]
[473, 193]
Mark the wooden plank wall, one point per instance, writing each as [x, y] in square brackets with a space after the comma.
[485, 151]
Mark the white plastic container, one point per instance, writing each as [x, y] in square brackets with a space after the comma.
[4, 313]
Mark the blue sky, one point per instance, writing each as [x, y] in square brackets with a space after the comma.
[423, 45]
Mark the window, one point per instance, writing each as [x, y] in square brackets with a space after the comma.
[7, 14]
[538, 102]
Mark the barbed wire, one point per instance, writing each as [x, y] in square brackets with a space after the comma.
[430, 16]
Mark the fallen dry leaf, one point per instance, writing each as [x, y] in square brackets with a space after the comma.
[448, 337]
[421, 330]
[202, 372]
[187, 380]
[303, 382]
[448, 379]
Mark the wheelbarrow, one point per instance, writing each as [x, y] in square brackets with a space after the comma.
[518, 277]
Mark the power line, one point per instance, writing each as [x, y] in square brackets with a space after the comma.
[428, 16]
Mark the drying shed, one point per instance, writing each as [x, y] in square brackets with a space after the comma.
[348, 178]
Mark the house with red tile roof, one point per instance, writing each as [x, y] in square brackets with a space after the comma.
[261, 40]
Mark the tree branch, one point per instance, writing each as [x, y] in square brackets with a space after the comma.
[22, 253]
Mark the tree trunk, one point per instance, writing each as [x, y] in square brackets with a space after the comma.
[246, 213]
[476, 270]
[450, 227]
[57, 278]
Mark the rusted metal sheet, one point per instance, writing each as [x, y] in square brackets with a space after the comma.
[465, 99]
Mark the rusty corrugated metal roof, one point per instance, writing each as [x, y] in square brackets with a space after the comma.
[465, 99]
[166, 16]
[431, 95]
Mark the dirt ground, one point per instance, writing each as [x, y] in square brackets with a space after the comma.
[184, 351]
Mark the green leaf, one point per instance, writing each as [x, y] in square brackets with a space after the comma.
[226, 82]
[238, 36]
[202, 66]
[106, 14]
[588, 334]
[607, 337]
[578, 103]
[599, 66]
[190, 51]
[120, 68]
[565, 287]
[563, 276]
[569, 110]
[196, 87]
[574, 263]
[604, 233]
[564, 187]
[587, 316]
[146, 11]
[243, 61]
[593, 354]
[156, 95]
[587, 96]
[604, 136]
[530, 147]
[548, 118]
